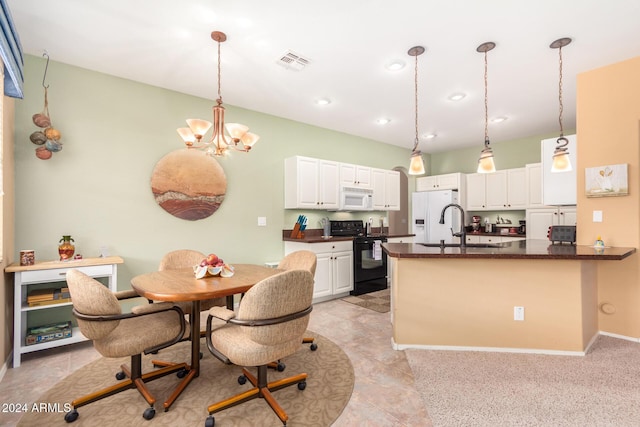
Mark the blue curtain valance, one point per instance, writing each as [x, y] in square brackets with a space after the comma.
[11, 53]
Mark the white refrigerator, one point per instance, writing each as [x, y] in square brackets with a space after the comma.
[426, 208]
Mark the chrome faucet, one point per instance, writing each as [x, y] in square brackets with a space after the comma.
[462, 234]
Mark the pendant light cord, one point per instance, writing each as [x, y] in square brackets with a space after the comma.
[219, 83]
[486, 102]
[415, 145]
[560, 93]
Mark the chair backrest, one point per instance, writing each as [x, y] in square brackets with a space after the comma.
[276, 296]
[93, 298]
[299, 260]
[182, 258]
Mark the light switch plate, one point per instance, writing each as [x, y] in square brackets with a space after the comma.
[597, 216]
[262, 221]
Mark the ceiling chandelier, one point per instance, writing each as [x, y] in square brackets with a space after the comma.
[561, 161]
[416, 167]
[485, 162]
[239, 137]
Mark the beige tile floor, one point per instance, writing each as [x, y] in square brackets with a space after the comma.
[384, 392]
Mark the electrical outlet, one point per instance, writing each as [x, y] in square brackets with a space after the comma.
[518, 313]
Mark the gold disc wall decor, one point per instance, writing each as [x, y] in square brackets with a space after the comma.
[189, 184]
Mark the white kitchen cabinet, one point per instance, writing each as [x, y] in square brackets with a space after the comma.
[406, 239]
[449, 181]
[355, 176]
[559, 188]
[311, 183]
[492, 239]
[539, 220]
[334, 268]
[49, 275]
[534, 185]
[501, 190]
[386, 189]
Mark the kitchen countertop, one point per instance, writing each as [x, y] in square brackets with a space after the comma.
[523, 249]
[315, 236]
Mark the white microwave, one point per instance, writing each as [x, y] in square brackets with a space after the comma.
[356, 199]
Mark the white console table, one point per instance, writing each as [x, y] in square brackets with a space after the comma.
[51, 272]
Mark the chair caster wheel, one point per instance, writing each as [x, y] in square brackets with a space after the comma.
[302, 385]
[313, 346]
[71, 416]
[149, 413]
[281, 366]
[181, 373]
[120, 375]
[210, 421]
[241, 380]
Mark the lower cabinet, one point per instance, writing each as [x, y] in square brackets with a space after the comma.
[493, 239]
[334, 269]
[407, 239]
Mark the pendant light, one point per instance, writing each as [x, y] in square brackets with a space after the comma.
[561, 161]
[485, 162]
[416, 167]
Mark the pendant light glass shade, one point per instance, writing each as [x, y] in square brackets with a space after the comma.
[485, 162]
[416, 166]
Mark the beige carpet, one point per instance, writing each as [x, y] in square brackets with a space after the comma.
[507, 389]
[377, 301]
[329, 386]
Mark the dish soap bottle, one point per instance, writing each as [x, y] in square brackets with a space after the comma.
[599, 243]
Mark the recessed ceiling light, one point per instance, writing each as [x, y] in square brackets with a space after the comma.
[457, 96]
[383, 121]
[323, 101]
[396, 65]
[498, 119]
[429, 135]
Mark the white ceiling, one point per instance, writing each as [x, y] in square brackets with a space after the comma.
[167, 43]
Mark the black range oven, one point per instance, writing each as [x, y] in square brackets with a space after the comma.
[369, 260]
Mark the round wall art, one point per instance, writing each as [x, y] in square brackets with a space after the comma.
[189, 184]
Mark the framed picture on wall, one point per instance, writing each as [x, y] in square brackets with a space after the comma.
[605, 181]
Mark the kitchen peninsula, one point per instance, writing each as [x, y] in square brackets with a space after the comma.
[463, 298]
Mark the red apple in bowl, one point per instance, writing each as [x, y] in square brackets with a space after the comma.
[212, 259]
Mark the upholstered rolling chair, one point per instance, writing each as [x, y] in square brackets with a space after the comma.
[269, 324]
[186, 258]
[116, 334]
[300, 260]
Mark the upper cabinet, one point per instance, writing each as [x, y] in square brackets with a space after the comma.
[386, 190]
[534, 185]
[501, 190]
[311, 183]
[355, 176]
[450, 181]
[316, 184]
[558, 188]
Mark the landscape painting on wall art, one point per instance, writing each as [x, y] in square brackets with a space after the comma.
[610, 180]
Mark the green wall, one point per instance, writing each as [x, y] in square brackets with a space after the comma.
[114, 131]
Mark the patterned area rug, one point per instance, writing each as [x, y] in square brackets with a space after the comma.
[377, 301]
[329, 386]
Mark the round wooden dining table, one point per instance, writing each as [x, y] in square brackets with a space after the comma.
[181, 285]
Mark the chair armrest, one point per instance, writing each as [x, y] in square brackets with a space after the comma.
[221, 313]
[151, 308]
[120, 295]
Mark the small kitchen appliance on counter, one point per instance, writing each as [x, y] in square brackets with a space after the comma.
[475, 222]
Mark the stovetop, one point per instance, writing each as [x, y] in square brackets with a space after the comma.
[350, 228]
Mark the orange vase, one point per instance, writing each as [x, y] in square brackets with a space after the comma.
[66, 249]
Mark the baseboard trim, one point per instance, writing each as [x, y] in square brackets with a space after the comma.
[622, 337]
[5, 365]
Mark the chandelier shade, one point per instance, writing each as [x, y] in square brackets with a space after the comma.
[238, 136]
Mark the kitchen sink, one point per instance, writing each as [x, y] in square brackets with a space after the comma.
[468, 245]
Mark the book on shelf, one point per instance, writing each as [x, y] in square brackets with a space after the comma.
[48, 296]
[50, 332]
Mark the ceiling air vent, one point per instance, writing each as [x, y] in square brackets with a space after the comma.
[293, 61]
